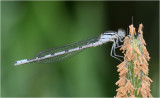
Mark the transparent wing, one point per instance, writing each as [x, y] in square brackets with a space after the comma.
[59, 57]
[64, 48]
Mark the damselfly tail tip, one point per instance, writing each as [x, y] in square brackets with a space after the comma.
[16, 63]
[20, 62]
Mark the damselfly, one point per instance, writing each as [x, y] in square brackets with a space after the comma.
[60, 53]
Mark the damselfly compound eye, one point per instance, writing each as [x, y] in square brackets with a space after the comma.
[121, 33]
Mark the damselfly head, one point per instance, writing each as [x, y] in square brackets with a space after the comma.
[121, 33]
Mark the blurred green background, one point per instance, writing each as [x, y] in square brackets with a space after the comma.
[30, 27]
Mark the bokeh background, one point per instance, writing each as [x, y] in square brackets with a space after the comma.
[30, 27]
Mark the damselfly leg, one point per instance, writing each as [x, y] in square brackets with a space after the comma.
[113, 49]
